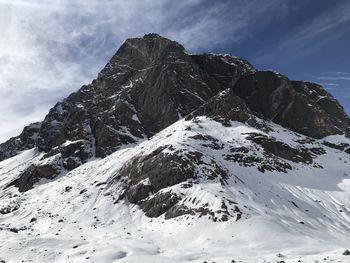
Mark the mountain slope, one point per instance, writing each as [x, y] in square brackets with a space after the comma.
[163, 144]
[306, 204]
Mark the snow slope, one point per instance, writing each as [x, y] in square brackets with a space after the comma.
[302, 213]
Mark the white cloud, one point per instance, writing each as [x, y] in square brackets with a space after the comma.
[334, 78]
[50, 48]
[331, 84]
[336, 73]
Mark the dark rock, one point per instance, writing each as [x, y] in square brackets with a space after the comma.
[9, 208]
[26, 140]
[151, 173]
[226, 107]
[33, 220]
[346, 252]
[241, 155]
[33, 174]
[303, 107]
[161, 169]
[294, 204]
[269, 162]
[209, 141]
[317, 150]
[139, 192]
[280, 149]
[159, 204]
[225, 69]
[223, 107]
[13, 229]
[73, 154]
[274, 165]
[224, 218]
[342, 146]
[71, 163]
[178, 210]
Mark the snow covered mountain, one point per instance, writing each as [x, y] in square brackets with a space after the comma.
[172, 157]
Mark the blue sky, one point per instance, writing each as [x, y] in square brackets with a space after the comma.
[50, 48]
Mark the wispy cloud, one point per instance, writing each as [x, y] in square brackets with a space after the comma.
[322, 26]
[331, 84]
[334, 78]
[337, 73]
[50, 48]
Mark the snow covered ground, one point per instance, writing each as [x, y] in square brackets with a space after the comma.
[301, 215]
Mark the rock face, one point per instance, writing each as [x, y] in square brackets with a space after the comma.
[150, 175]
[26, 140]
[303, 107]
[226, 107]
[149, 84]
[160, 169]
[280, 149]
[32, 175]
[225, 69]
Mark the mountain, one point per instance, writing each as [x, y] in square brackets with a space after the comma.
[173, 157]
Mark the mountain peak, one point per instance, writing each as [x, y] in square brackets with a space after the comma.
[149, 48]
[153, 36]
[151, 82]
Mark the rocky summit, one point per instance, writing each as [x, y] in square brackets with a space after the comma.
[164, 143]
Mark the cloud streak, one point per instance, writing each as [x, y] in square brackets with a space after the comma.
[337, 73]
[334, 78]
[331, 84]
[326, 23]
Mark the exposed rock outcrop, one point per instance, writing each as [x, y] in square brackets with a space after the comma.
[35, 173]
[26, 140]
[303, 107]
